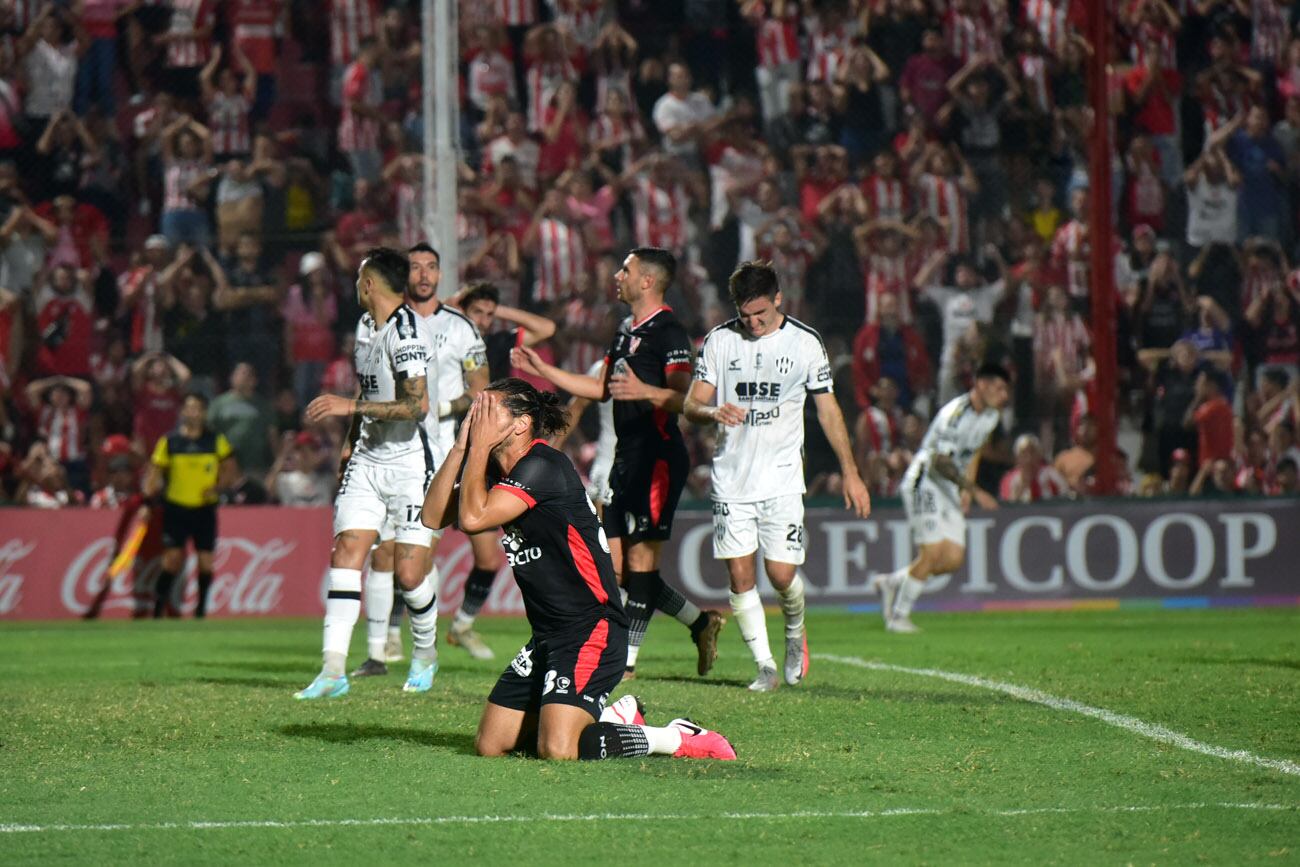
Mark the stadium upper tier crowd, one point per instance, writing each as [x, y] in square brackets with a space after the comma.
[186, 187]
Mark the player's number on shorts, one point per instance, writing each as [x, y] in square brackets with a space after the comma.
[794, 535]
[412, 514]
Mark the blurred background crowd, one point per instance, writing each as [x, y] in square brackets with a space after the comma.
[186, 187]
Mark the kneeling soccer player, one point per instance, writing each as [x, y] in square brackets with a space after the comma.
[556, 688]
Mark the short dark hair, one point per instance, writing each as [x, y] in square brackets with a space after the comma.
[993, 370]
[524, 398]
[196, 395]
[1287, 463]
[1277, 376]
[658, 257]
[423, 247]
[752, 280]
[390, 266]
[480, 290]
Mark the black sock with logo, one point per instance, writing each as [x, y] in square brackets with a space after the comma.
[607, 740]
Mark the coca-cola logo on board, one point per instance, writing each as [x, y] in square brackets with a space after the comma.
[11, 582]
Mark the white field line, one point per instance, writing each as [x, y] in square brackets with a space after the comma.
[630, 817]
[1129, 723]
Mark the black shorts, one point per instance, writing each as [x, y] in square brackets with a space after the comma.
[579, 671]
[181, 524]
[645, 486]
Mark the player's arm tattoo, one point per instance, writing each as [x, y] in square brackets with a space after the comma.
[411, 405]
[944, 467]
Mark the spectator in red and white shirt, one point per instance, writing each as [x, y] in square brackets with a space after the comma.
[1033, 478]
[141, 294]
[1153, 91]
[661, 206]
[158, 381]
[558, 246]
[890, 348]
[616, 131]
[361, 120]
[547, 56]
[65, 323]
[885, 189]
[1061, 361]
[564, 134]
[944, 185]
[351, 23]
[187, 165]
[516, 144]
[254, 29]
[97, 69]
[490, 71]
[776, 33]
[229, 103]
[309, 312]
[888, 265]
[791, 245]
[62, 408]
[189, 41]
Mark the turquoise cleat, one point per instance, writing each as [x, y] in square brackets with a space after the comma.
[420, 677]
[325, 686]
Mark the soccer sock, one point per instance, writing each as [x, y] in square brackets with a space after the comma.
[748, 608]
[896, 578]
[379, 605]
[424, 619]
[395, 616]
[342, 608]
[792, 605]
[673, 603]
[478, 587]
[640, 598]
[162, 592]
[205, 584]
[606, 740]
[907, 594]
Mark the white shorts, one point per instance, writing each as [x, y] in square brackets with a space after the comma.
[933, 513]
[387, 533]
[776, 525]
[370, 496]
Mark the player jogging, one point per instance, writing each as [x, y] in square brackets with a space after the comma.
[388, 468]
[647, 372]
[458, 366]
[932, 490]
[556, 688]
[760, 367]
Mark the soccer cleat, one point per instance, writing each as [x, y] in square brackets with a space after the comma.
[325, 686]
[902, 625]
[881, 584]
[628, 710]
[796, 658]
[393, 649]
[370, 668]
[470, 641]
[766, 680]
[706, 642]
[420, 677]
[699, 743]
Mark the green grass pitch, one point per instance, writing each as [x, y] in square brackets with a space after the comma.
[118, 741]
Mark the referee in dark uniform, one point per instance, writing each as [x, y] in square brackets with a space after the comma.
[189, 465]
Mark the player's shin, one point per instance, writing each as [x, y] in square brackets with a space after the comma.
[640, 602]
[607, 740]
[908, 593]
[671, 602]
[748, 608]
[422, 603]
[342, 608]
[379, 603]
[792, 606]
[478, 587]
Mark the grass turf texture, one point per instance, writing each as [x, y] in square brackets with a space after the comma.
[142, 723]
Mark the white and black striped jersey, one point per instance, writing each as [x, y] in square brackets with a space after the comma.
[401, 347]
[769, 377]
[957, 431]
[459, 350]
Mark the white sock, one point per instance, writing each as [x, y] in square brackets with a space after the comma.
[688, 613]
[632, 651]
[748, 608]
[462, 620]
[423, 607]
[622, 595]
[896, 578]
[395, 633]
[792, 606]
[663, 741]
[342, 608]
[907, 594]
[379, 604]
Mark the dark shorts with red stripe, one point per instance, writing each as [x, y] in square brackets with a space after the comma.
[645, 485]
[580, 671]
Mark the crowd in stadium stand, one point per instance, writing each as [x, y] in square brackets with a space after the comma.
[187, 186]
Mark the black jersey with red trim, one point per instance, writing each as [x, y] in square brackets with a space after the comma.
[653, 348]
[558, 548]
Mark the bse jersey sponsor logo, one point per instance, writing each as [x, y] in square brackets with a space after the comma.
[516, 553]
[766, 391]
[369, 382]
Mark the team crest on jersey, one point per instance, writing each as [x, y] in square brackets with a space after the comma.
[784, 365]
[633, 345]
[758, 360]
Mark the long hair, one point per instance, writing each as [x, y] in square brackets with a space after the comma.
[522, 398]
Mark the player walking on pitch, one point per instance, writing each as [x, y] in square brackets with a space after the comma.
[752, 377]
[941, 472]
[555, 689]
[388, 470]
[646, 372]
[458, 366]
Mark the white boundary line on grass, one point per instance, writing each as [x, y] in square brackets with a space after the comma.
[1153, 731]
[627, 817]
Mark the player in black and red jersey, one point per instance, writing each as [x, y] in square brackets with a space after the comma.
[556, 688]
[647, 372]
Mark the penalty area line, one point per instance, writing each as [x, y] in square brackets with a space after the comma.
[380, 822]
[1154, 731]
